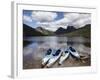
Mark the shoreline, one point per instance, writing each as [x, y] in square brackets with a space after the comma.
[70, 62]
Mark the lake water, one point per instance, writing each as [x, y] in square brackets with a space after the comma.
[37, 47]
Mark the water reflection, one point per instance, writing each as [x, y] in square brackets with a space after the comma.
[36, 50]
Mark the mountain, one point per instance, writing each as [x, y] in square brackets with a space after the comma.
[70, 29]
[44, 31]
[62, 30]
[29, 31]
[84, 31]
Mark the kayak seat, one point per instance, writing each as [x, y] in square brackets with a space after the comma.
[66, 51]
[49, 51]
[57, 52]
[72, 49]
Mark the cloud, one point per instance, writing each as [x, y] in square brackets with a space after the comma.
[81, 22]
[50, 26]
[77, 20]
[74, 19]
[68, 19]
[47, 20]
[27, 18]
[43, 16]
[72, 16]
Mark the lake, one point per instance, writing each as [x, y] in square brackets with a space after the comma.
[36, 47]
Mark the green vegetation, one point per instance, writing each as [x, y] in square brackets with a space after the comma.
[29, 31]
[84, 32]
[39, 31]
[44, 31]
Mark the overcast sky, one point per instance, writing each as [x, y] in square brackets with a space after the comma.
[53, 20]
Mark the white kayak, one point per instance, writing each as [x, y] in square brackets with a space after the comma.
[74, 53]
[54, 57]
[48, 55]
[64, 56]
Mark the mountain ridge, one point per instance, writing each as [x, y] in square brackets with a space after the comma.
[84, 31]
[67, 30]
[29, 31]
[70, 31]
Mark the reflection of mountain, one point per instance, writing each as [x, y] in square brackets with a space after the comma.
[62, 30]
[39, 31]
[84, 31]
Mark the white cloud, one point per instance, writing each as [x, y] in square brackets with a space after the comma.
[81, 22]
[85, 15]
[51, 28]
[42, 16]
[27, 18]
[48, 26]
[51, 25]
[72, 16]
[77, 20]
[74, 19]
[63, 22]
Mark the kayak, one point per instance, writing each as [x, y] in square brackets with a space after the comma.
[47, 56]
[54, 57]
[74, 53]
[64, 56]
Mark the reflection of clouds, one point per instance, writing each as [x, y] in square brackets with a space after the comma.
[38, 49]
[30, 48]
[53, 42]
[49, 42]
[78, 44]
[78, 39]
[82, 48]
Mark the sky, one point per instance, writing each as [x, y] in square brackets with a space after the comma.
[51, 20]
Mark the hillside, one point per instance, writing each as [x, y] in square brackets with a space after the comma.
[44, 31]
[67, 30]
[70, 31]
[28, 31]
[84, 31]
[60, 30]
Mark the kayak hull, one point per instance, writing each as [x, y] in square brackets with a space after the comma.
[75, 54]
[63, 58]
[46, 59]
[53, 60]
